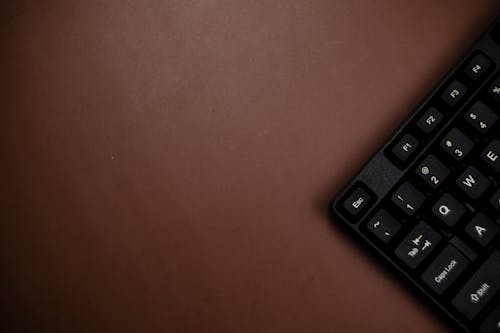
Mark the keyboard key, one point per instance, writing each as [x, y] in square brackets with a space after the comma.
[454, 93]
[494, 90]
[482, 229]
[480, 288]
[405, 147]
[478, 67]
[457, 144]
[383, 226]
[481, 117]
[358, 202]
[429, 121]
[448, 210]
[473, 183]
[408, 198]
[495, 200]
[491, 154]
[417, 245]
[492, 323]
[445, 269]
[432, 171]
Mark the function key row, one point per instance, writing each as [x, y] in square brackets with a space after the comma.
[456, 144]
[414, 138]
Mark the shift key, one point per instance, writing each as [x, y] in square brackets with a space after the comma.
[480, 289]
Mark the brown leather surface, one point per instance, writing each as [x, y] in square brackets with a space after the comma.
[166, 165]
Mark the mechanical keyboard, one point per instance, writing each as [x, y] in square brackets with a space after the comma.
[428, 202]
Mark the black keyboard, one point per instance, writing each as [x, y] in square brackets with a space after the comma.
[428, 202]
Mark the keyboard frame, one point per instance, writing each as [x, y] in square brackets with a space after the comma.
[381, 176]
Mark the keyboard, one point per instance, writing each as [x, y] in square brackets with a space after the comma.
[428, 202]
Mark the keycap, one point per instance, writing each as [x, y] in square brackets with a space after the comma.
[478, 67]
[448, 210]
[494, 90]
[432, 171]
[417, 245]
[383, 226]
[492, 322]
[490, 155]
[357, 202]
[482, 229]
[408, 198]
[430, 120]
[473, 182]
[481, 117]
[405, 147]
[456, 144]
[479, 289]
[454, 93]
[445, 269]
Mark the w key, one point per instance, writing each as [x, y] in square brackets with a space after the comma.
[473, 182]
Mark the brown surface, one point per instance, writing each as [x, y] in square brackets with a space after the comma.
[166, 165]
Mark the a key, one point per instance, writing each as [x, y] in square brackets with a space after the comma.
[482, 229]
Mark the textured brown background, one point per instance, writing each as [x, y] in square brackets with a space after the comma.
[166, 165]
